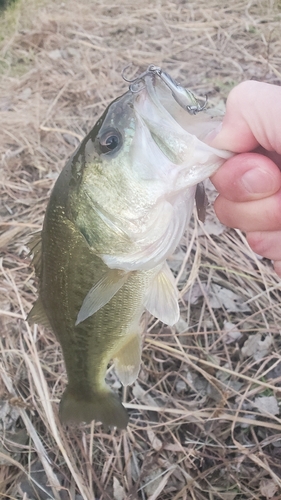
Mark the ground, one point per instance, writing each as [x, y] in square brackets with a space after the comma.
[204, 412]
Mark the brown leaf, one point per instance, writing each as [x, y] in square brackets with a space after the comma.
[267, 405]
[155, 442]
[268, 488]
[118, 490]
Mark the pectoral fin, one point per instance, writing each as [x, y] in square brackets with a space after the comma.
[162, 298]
[101, 293]
[127, 360]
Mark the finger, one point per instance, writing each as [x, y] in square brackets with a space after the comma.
[252, 118]
[246, 177]
[257, 215]
[266, 243]
[275, 157]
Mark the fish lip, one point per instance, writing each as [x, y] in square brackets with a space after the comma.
[156, 92]
[150, 110]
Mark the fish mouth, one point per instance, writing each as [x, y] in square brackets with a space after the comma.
[158, 111]
[178, 123]
[171, 100]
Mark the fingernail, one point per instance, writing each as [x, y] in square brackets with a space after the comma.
[258, 180]
[213, 133]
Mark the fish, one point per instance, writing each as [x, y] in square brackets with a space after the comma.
[117, 211]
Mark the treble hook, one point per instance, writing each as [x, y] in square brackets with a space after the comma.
[135, 81]
[184, 97]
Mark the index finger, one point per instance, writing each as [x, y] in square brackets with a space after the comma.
[252, 118]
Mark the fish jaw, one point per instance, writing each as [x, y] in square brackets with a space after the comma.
[178, 135]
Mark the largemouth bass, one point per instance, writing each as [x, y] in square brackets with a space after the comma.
[117, 211]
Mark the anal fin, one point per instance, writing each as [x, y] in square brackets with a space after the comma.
[162, 297]
[127, 360]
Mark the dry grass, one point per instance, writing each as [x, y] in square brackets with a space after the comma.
[195, 429]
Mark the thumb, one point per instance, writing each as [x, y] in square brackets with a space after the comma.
[252, 118]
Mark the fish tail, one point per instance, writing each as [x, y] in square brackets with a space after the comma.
[103, 406]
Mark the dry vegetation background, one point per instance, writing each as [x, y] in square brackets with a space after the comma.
[204, 413]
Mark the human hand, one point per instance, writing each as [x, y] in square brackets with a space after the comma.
[249, 183]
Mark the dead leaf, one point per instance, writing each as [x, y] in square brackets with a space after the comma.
[214, 393]
[142, 395]
[267, 405]
[118, 490]
[212, 226]
[8, 416]
[195, 293]
[274, 372]
[161, 484]
[25, 94]
[55, 54]
[256, 347]
[218, 297]
[223, 297]
[70, 139]
[9, 236]
[228, 495]
[232, 332]
[263, 348]
[181, 326]
[12, 445]
[155, 442]
[268, 488]
[181, 386]
[175, 262]
[36, 485]
[152, 481]
[174, 447]
[244, 425]
[73, 52]
[250, 346]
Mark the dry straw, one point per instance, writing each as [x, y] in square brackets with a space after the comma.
[204, 412]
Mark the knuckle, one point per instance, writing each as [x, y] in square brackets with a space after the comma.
[258, 242]
[242, 93]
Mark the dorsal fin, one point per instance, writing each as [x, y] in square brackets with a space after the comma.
[35, 245]
[38, 315]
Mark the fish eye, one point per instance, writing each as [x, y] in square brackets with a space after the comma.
[110, 140]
